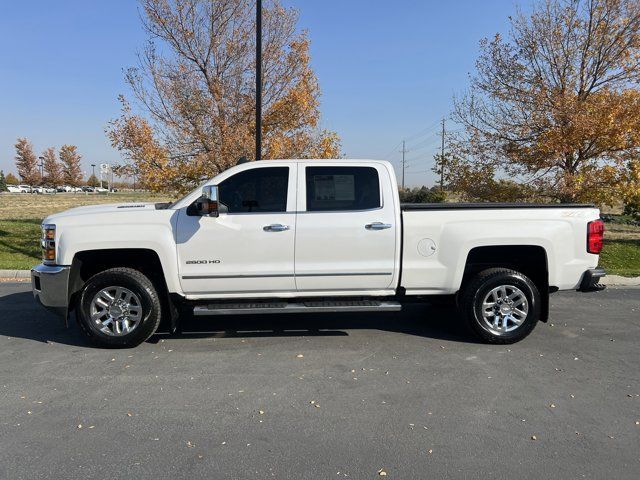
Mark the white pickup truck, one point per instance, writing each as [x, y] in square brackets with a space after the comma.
[297, 236]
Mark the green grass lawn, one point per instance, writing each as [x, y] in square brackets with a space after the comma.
[19, 244]
[621, 257]
[20, 237]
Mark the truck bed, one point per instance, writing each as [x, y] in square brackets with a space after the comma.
[488, 206]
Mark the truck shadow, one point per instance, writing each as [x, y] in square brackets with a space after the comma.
[21, 317]
[437, 322]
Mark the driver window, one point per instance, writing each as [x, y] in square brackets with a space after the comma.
[259, 190]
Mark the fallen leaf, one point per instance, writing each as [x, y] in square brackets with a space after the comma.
[29, 412]
[533, 437]
[80, 425]
[382, 473]
[552, 405]
[261, 412]
[129, 414]
[92, 426]
[299, 356]
[430, 451]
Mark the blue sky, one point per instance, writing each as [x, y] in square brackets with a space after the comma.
[387, 70]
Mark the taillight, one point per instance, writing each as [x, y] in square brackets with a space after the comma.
[595, 236]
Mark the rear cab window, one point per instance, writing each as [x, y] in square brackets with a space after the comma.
[342, 188]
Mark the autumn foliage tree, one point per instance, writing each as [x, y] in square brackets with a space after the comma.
[70, 161]
[52, 169]
[554, 109]
[12, 179]
[93, 181]
[26, 162]
[195, 86]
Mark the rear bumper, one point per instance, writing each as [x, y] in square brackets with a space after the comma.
[50, 285]
[591, 280]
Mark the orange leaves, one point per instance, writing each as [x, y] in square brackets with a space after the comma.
[26, 162]
[556, 105]
[70, 161]
[195, 90]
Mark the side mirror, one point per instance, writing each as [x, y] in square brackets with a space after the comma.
[207, 204]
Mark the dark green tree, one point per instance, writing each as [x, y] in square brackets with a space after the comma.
[3, 182]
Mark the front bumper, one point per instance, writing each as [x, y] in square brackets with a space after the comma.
[591, 280]
[50, 285]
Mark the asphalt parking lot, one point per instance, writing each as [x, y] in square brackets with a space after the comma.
[411, 395]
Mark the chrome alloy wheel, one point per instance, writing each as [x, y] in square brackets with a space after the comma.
[116, 311]
[504, 309]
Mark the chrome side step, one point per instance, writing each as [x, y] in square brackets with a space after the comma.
[336, 306]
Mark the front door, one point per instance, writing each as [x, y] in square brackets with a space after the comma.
[249, 249]
[346, 234]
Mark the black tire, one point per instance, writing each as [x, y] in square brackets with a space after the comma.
[473, 295]
[136, 282]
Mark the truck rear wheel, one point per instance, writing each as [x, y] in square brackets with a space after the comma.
[118, 308]
[501, 305]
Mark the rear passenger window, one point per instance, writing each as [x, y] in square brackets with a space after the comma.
[342, 188]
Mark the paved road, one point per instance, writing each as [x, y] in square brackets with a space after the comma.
[323, 397]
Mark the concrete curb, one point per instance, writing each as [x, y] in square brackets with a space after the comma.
[617, 280]
[613, 280]
[14, 274]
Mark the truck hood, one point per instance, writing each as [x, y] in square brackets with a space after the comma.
[110, 208]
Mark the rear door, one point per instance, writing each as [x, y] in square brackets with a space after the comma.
[346, 231]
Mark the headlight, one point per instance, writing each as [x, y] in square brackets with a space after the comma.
[49, 244]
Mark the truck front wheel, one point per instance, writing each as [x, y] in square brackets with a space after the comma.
[501, 305]
[118, 308]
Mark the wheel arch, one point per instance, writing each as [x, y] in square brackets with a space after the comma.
[531, 260]
[87, 263]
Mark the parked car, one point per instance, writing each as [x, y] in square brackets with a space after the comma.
[63, 189]
[301, 236]
[41, 190]
[100, 190]
[14, 189]
[87, 188]
[25, 188]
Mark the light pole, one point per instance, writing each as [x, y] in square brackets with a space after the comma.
[258, 79]
[93, 173]
[41, 165]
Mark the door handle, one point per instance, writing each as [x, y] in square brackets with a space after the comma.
[377, 226]
[276, 227]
